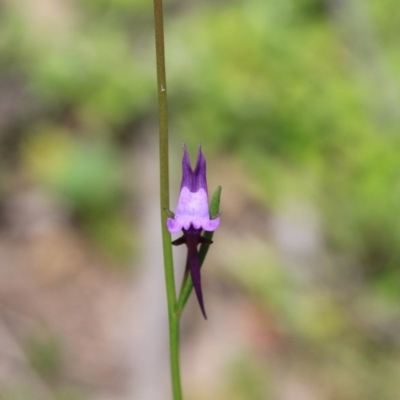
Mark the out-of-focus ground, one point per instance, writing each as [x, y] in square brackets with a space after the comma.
[296, 105]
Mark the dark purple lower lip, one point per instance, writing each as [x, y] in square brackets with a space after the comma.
[192, 238]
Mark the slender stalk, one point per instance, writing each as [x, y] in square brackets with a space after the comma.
[173, 318]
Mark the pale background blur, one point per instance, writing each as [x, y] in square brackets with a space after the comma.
[296, 104]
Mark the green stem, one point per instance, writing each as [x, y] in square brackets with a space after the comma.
[173, 318]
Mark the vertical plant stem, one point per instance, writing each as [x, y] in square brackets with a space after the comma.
[174, 330]
[173, 318]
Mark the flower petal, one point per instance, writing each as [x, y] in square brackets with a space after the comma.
[194, 180]
[211, 224]
[200, 180]
[193, 262]
[187, 172]
[192, 211]
[193, 203]
[173, 225]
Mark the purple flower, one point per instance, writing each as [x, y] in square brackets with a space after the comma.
[192, 210]
[192, 217]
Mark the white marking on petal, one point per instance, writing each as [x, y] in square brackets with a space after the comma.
[192, 210]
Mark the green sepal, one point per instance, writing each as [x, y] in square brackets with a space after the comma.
[215, 201]
[169, 213]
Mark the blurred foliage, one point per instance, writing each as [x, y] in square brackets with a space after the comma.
[89, 175]
[304, 98]
[23, 393]
[248, 380]
[45, 356]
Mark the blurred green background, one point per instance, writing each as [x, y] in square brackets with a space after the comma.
[296, 104]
